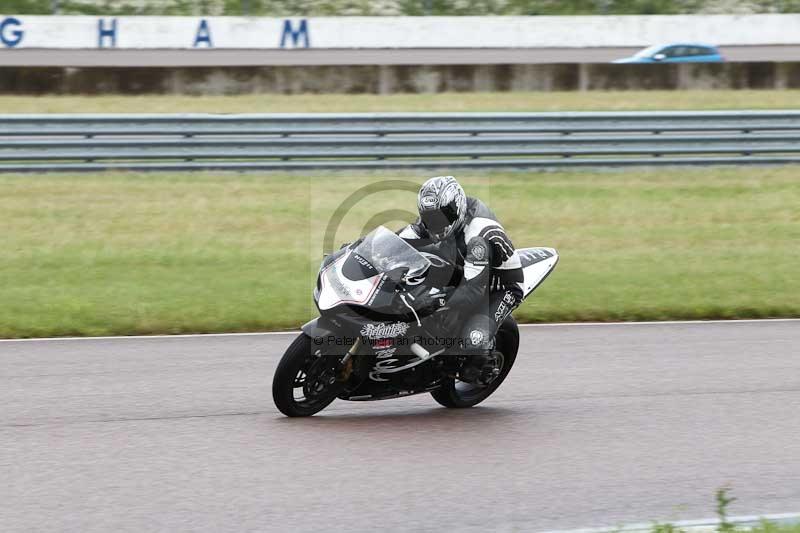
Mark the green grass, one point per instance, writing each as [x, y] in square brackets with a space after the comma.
[764, 527]
[767, 527]
[120, 253]
[510, 101]
[725, 522]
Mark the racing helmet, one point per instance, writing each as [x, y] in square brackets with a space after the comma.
[442, 206]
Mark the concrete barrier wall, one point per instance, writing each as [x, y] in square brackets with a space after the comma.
[18, 31]
[397, 78]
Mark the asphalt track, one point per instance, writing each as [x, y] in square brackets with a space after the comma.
[33, 57]
[596, 425]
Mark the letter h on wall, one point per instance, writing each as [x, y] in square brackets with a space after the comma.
[106, 33]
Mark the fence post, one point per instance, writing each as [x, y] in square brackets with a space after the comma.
[55, 7]
[246, 8]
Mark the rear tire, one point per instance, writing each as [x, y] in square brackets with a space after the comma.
[296, 374]
[457, 394]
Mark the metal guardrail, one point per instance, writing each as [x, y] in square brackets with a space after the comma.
[329, 141]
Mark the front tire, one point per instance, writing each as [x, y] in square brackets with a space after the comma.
[302, 383]
[457, 394]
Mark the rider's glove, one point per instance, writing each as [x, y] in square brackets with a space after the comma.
[425, 302]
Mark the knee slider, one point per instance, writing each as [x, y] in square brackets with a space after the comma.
[479, 334]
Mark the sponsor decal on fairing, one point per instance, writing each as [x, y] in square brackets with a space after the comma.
[383, 362]
[384, 329]
[363, 262]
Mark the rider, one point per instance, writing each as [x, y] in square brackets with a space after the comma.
[464, 231]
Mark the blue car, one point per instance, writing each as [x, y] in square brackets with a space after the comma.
[676, 53]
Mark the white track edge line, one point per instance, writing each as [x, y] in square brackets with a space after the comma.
[662, 322]
[178, 336]
[295, 332]
[701, 523]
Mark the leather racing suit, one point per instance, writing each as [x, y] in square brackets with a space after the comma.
[489, 286]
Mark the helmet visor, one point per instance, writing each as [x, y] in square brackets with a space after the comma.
[439, 222]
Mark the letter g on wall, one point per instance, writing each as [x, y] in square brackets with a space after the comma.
[9, 36]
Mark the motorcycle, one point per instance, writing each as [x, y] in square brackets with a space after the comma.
[371, 343]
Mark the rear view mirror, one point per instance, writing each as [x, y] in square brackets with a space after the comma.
[659, 57]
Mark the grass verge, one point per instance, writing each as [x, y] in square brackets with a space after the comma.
[126, 253]
[726, 524]
[509, 101]
[768, 527]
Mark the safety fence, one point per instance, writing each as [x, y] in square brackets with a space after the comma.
[395, 140]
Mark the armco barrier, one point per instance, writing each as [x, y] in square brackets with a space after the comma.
[394, 140]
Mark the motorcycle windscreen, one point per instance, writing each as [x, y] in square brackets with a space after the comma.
[337, 288]
[385, 251]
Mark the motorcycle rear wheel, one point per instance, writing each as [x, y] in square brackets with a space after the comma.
[457, 394]
[301, 386]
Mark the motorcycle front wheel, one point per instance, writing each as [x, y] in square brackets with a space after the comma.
[459, 394]
[305, 381]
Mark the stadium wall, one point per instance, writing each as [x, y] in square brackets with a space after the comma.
[396, 78]
[61, 32]
[234, 55]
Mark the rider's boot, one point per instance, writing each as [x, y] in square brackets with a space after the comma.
[480, 366]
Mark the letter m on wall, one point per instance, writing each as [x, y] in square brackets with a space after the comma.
[296, 35]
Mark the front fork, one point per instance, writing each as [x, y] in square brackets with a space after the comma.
[346, 365]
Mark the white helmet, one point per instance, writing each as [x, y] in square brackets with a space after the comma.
[442, 206]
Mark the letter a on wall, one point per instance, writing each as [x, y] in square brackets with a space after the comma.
[203, 35]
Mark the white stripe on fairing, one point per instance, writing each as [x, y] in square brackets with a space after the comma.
[295, 332]
[703, 523]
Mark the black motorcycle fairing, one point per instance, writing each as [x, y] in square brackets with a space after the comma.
[327, 260]
[423, 378]
[319, 327]
[355, 316]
